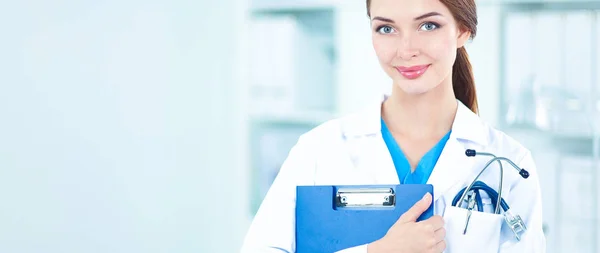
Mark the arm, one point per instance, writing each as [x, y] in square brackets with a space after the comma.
[525, 200]
[273, 227]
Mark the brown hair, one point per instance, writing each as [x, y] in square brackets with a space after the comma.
[465, 14]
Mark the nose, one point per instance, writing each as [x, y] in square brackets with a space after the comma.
[407, 48]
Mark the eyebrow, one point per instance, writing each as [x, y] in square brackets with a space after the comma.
[430, 14]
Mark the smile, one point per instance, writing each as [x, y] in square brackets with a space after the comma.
[414, 71]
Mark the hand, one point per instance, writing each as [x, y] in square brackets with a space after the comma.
[409, 236]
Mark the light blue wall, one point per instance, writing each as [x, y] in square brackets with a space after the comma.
[119, 126]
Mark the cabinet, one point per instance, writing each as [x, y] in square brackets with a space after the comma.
[550, 86]
[292, 80]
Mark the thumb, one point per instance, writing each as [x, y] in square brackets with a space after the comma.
[416, 210]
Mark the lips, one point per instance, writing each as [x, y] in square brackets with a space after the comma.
[413, 72]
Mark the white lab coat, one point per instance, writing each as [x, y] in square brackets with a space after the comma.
[351, 151]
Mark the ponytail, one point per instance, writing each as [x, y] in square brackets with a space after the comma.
[463, 80]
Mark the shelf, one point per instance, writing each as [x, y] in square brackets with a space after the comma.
[309, 119]
[556, 6]
[566, 4]
[574, 144]
[567, 143]
[288, 6]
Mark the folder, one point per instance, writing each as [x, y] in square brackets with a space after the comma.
[333, 218]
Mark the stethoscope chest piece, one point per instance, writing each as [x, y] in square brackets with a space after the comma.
[515, 223]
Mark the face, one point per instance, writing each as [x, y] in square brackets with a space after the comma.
[415, 42]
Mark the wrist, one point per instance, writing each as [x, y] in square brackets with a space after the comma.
[374, 247]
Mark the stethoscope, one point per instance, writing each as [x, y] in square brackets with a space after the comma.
[472, 193]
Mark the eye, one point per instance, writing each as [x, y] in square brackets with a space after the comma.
[386, 29]
[429, 26]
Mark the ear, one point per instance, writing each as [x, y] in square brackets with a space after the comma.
[463, 36]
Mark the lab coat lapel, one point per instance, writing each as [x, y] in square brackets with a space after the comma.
[375, 160]
[454, 167]
[370, 153]
[382, 163]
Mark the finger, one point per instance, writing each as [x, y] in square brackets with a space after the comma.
[440, 235]
[440, 247]
[416, 210]
[435, 222]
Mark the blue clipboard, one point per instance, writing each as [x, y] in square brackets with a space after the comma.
[333, 218]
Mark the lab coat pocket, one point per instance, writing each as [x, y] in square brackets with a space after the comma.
[482, 235]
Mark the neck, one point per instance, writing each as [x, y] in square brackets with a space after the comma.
[423, 116]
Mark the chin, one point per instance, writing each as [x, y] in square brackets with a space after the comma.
[414, 87]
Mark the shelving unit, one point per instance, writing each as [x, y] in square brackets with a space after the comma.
[570, 126]
[534, 8]
[292, 90]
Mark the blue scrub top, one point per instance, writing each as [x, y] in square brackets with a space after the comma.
[425, 166]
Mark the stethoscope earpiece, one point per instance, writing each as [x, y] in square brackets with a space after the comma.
[524, 173]
[470, 152]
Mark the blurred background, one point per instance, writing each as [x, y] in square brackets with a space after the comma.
[158, 126]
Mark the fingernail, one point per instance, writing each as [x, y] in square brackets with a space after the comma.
[426, 197]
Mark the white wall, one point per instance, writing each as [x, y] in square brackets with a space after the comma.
[119, 126]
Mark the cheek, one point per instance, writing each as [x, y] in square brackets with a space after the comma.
[440, 48]
[384, 49]
[443, 53]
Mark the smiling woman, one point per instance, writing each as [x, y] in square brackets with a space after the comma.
[418, 134]
[439, 33]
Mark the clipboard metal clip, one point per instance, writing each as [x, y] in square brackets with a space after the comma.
[365, 197]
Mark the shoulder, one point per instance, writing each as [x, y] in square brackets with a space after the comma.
[326, 133]
[361, 122]
[328, 139]
[475, 133]
[502, 144]
[320, 145]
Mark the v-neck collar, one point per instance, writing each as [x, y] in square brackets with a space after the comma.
[424, 166]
